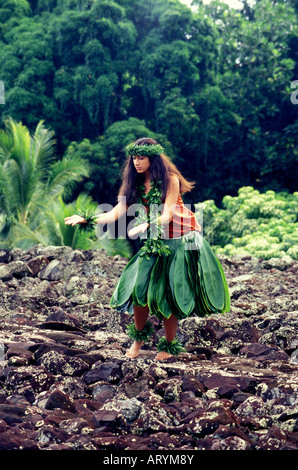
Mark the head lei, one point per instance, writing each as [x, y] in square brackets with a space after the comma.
[151, 150]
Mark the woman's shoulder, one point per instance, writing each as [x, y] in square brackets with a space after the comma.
[173, 177]
[174, 180]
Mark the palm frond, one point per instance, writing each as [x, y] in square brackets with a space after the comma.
[20, 140]
[6, 209]
[23, 237]
[65, 173]
[72, 235]
[49, 222]
[22, 180]
[18, 167]
[42, 149]
[4, 192]
[6, 144]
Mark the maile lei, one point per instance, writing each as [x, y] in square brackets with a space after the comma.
[154, 244]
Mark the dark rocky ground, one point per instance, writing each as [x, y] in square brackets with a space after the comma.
[65, 382]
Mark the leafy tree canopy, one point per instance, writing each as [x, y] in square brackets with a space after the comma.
[212, 81]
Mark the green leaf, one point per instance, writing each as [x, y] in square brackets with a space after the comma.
[182, 289]
[213, 288]
[125, 285]
[162, 301]
[142, 280]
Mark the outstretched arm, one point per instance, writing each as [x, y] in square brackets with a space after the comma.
[107, 218]
[113, 215]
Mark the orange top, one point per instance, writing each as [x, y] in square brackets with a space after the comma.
[182, 222]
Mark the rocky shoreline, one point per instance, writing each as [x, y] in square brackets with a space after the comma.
[65, 383]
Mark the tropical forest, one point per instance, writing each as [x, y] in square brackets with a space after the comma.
[215, 85]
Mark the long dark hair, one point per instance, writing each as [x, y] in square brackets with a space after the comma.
[161, 168]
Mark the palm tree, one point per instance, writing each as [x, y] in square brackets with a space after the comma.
[32, 185]
[48, 226]
[50, 229]
[31, 177]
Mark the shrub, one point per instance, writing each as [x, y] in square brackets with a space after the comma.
[260, 224]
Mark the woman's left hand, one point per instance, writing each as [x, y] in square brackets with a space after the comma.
[138, 229]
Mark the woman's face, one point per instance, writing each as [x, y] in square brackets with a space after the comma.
[142, 164]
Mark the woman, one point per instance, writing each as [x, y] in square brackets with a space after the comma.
[175, 273]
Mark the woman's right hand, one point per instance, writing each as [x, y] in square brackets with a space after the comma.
[74, 220]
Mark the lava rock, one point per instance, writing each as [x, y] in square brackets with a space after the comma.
[108, 371]
[66, 383]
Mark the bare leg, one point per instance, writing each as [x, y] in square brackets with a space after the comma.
[170, 326]
[140, 316]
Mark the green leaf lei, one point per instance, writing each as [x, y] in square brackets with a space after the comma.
[144, 150]
[138, 335]
[172, 347]
[90, 224]
[154, 245]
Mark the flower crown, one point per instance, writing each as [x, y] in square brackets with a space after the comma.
[151, 150]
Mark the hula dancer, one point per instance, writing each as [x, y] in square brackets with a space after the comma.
[175, 273]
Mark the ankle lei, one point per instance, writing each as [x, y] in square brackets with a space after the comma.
[154, 245]
[173, 347]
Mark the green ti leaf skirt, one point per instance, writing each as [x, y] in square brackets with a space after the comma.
[190, 280]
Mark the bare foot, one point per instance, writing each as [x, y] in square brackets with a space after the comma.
[134, 349]
[162, 355]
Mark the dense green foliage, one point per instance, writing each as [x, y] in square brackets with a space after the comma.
[215, 83]
[33, 188]
[262, 225]
[211, 84]
[30, 177]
